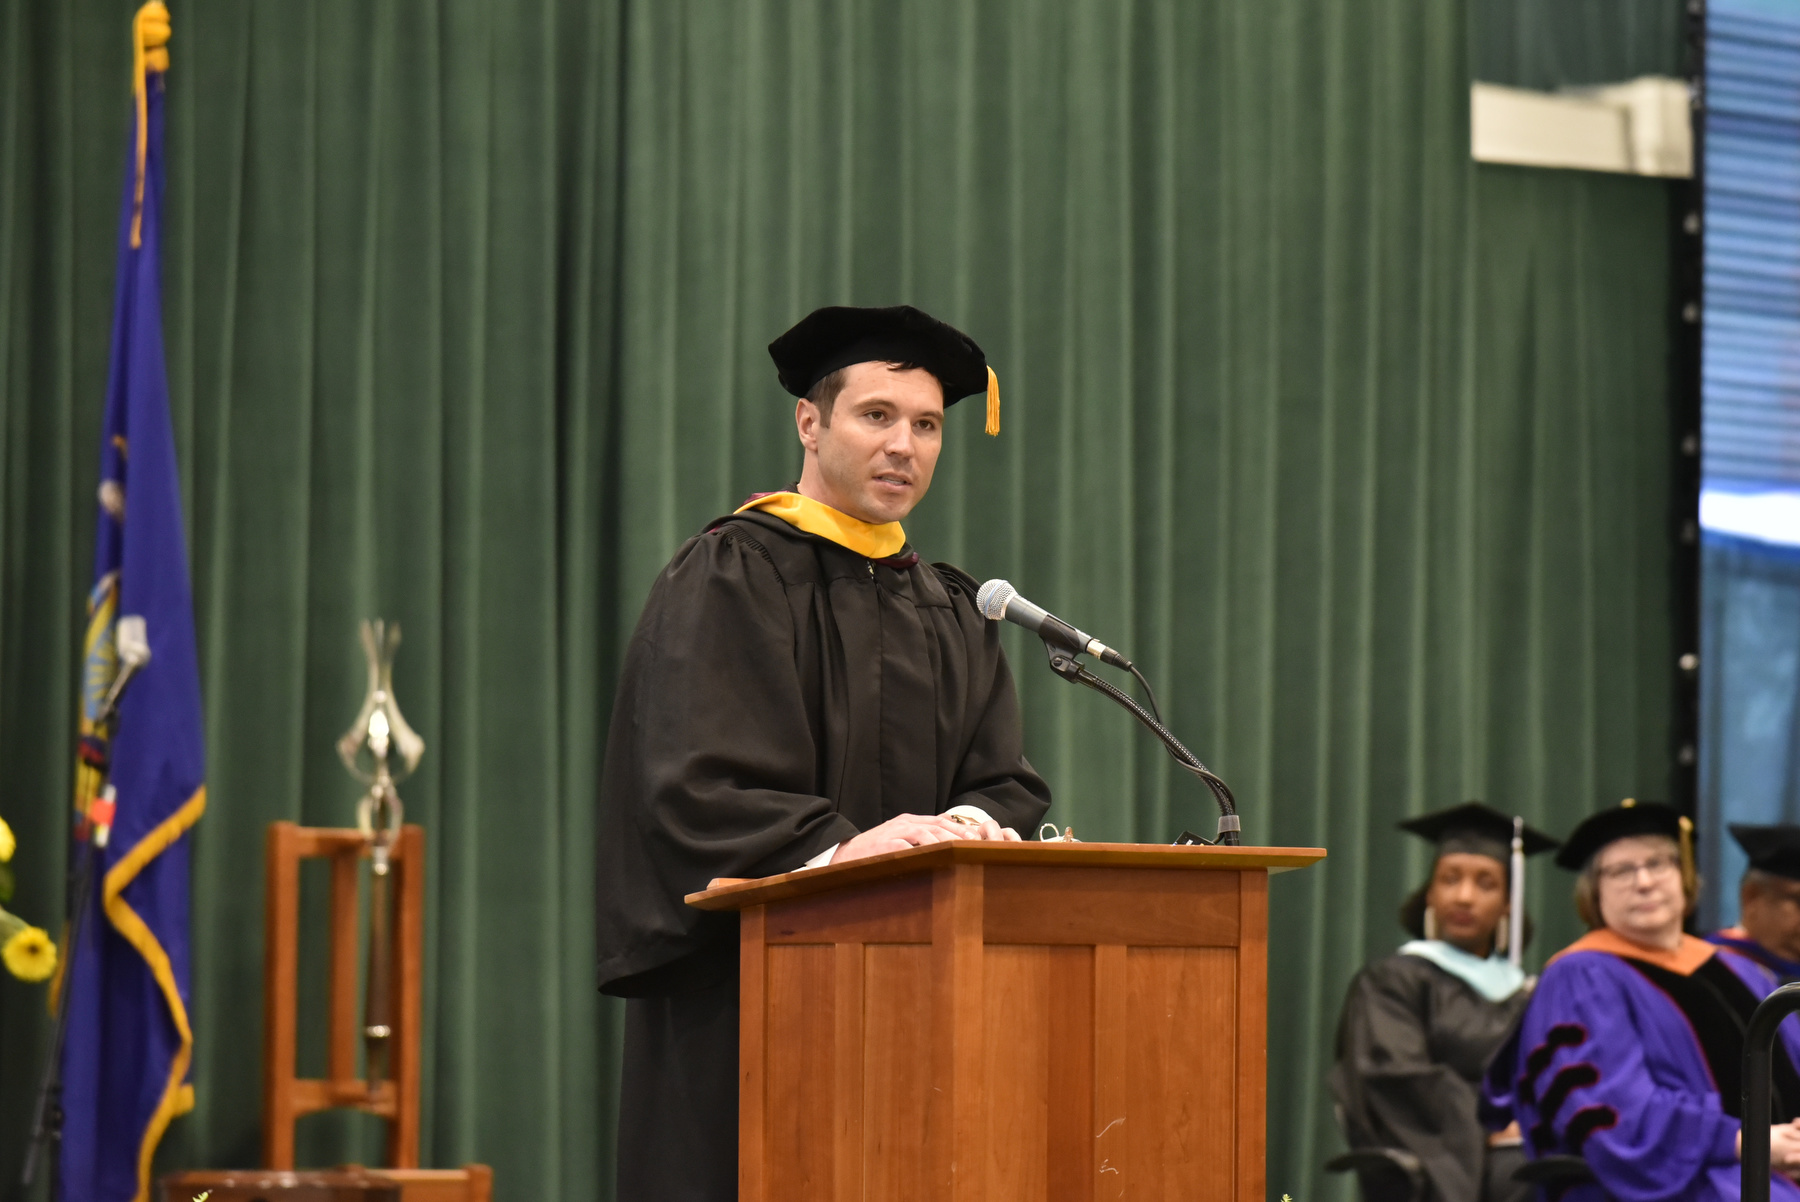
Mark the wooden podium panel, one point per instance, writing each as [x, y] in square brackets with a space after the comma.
[1006, 1021]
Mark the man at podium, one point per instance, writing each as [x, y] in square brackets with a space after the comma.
[801, 689]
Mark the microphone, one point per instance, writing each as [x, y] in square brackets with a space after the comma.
[998, 599]
[133, 642]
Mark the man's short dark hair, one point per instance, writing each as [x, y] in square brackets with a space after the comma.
[824, 394]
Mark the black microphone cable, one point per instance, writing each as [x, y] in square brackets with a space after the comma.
[1149, 693]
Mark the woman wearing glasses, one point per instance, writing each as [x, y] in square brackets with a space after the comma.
[1630, 1052]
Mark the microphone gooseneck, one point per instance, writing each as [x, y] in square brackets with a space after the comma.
[1229, 825]
[998, 600]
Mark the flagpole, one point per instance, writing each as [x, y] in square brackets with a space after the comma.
[47, 1113]
[91, 833]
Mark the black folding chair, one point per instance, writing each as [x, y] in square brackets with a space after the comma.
[1759, 1059]
[1553, 1174]
[1383, 1174]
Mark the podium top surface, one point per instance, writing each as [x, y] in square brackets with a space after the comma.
[729, 894]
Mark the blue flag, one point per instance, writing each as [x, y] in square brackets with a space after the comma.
[130, 1043]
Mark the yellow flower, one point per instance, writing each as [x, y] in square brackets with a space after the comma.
[7, 843]
[29, 955]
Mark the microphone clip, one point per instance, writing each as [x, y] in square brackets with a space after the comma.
[1064, 663]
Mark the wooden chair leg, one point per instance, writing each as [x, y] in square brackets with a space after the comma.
[281, 950]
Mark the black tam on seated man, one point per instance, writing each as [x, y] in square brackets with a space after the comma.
[1768, 929]
[801, 690]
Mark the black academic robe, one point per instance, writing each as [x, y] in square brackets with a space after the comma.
[1412, 1044]
[781, 694]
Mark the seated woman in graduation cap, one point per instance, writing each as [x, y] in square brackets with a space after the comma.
[1419, 1026]
[1630, 1052]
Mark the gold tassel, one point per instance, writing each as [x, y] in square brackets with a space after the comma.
[149, 52]
[1690, 877]
[993, 414]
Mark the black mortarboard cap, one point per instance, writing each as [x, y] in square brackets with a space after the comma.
[839, 335]
[1628, 818]
[1473, 827]
[1772, 849]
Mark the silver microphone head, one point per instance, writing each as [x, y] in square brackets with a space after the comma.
[133, 641]
[993, 598]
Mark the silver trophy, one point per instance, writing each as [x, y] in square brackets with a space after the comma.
[379, 732]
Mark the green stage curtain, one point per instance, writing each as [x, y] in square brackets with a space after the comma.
[1356, 447]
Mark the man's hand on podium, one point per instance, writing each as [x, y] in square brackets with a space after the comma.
[916, 830]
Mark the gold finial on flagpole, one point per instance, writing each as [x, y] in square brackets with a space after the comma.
[149, 52]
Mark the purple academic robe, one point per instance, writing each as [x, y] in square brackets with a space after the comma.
[1739, 941]
[1605, 1066]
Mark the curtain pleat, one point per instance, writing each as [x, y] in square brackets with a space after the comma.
[1359, 448]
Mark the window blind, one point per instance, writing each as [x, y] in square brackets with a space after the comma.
[1751, 338]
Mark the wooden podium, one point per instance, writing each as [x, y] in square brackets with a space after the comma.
[980, 1022]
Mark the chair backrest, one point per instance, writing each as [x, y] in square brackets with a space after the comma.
[286, 1095]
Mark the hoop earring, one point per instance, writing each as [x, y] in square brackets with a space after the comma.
[1431, 927]
[1503, 937]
